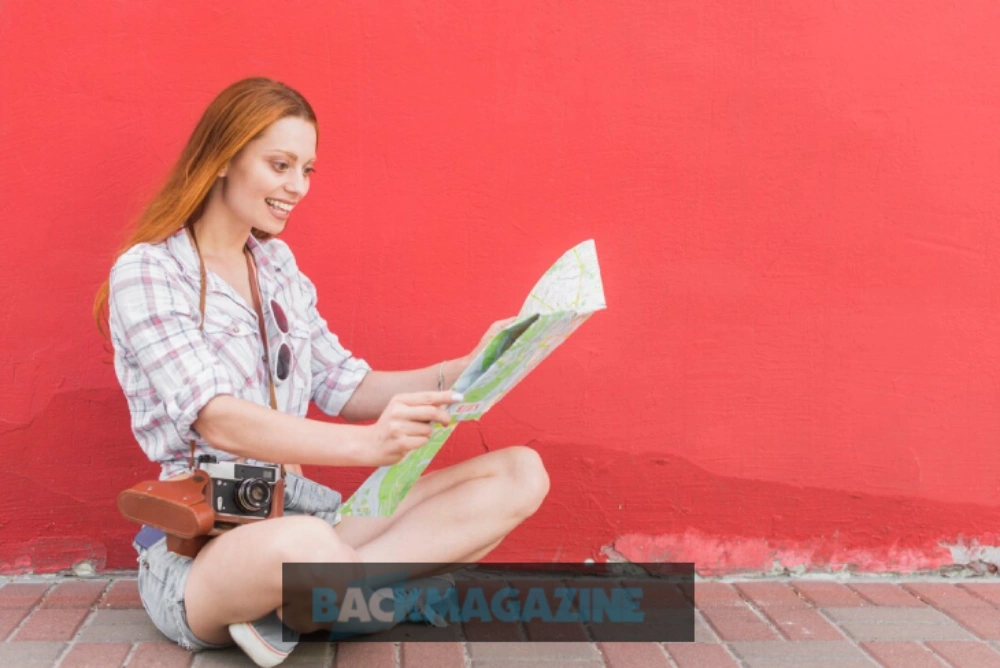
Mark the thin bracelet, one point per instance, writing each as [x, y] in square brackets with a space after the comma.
[441, 376]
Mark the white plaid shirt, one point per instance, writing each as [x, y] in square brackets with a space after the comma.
[169, 369]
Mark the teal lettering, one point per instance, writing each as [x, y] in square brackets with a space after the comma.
[436, 601]
[565, 596]
[602, 605]
[506, 613]
[475, 606]
[536, 605]
[324, 609]
[627, 604]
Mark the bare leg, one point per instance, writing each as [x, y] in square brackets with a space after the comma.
[237, 576]
[455, 515]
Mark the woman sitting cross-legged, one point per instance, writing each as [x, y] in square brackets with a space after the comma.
[213, 324]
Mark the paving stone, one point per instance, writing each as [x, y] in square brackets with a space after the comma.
[695, 655]
[967, 654]
[9, 619]
[121, 594]
[120, 626]
[30, 654]
[794, 654]
[632, 654]
[508, 663]
[437, 654]
[21, 596]
[988, 591]
[365, 655]
[716, 593]
[804, 624]
[479, 631]
[792, 615]
[94, 655]
[702, 631]
[160, 655]
[876, 623]
[311, 655]
[533, 651]
[830, 595]
[770, 593]
[728, 613]
[538, 630]
[970, 611]
[52, 624]
[902, 655]
[82, 594]
[733, 623]
[545, 663]
[884, 593]
[231, 657]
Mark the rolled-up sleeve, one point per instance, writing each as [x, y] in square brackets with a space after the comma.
[159, 327]
[335, 372]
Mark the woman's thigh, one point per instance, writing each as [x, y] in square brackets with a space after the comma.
[237, 576]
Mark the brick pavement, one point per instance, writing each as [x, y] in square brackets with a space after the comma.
[71, 622]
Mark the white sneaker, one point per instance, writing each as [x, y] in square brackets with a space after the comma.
[262, 640]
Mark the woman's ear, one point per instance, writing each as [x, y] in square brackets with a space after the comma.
[222, 172]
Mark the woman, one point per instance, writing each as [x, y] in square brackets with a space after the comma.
[191, 359]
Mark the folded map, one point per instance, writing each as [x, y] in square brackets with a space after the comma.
[568, 293]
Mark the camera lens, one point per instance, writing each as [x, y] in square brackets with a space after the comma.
[252, 494]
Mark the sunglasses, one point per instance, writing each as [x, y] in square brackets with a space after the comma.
[282, 362]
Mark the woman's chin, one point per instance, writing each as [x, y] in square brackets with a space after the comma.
[272, 227]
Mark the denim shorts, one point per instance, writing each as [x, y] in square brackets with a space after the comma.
[163, 574]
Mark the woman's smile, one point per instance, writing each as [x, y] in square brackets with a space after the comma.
[280, 209]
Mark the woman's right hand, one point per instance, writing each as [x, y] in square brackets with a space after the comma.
[405, 424]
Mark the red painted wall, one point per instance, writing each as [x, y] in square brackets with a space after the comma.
[795, 206]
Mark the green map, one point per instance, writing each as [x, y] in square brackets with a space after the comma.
[569, 293]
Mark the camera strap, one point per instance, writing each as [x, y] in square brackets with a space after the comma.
[255, 291]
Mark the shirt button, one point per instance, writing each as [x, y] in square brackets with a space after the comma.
[236, 329]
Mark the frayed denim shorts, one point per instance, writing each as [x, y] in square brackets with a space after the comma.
[163, 574]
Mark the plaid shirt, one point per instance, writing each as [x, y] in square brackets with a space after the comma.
[169, 369]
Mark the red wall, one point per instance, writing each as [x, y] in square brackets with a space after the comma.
[795, 206]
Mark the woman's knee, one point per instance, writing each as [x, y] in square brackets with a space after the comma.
[528, 477]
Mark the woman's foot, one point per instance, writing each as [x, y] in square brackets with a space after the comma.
[263, 640]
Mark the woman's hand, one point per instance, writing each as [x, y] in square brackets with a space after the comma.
[490, 333]
[405, 424]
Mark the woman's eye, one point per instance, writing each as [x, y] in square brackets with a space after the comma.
[310, 170]
[280, 166]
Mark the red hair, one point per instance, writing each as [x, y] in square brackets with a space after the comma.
[234, 118]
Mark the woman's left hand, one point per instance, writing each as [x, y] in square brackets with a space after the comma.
[490, 333]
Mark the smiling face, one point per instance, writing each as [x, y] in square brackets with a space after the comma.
[270, 176]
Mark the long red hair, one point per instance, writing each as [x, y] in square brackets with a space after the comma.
[234, 118]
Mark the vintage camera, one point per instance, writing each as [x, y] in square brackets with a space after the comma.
[239, 493]
[216, 497]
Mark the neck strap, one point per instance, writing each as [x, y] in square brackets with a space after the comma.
[255, 292]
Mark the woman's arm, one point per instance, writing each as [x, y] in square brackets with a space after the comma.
[249, 430]
[378, 387]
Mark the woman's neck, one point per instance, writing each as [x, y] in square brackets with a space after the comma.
[219, 236]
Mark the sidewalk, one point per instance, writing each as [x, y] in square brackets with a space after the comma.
[775, 622]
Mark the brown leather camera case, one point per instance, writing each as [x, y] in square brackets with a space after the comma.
[178, 507]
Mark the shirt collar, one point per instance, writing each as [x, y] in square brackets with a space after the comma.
[181, 248]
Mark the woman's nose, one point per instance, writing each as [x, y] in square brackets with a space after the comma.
[297, 183]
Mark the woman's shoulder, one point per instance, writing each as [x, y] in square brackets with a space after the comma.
[148, 259]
